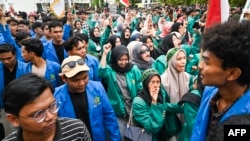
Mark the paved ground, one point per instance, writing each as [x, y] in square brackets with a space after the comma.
[7, 126]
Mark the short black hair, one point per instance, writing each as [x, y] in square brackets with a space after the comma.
[72, 42]
[36, 25]
[34, 45]
[83, 36]
[22, 35]
[25, 22]
[230, 42]
[46, 19]
[54, 24]
[12, 20]
[22, 91]
[7, 48]
[44, 25]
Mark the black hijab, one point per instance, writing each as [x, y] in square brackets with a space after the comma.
[93, 37]
[166, 44]
[116, 54]
[153, 53]
[176, 26]
[125, 41]
[112, 40]
[144, 93]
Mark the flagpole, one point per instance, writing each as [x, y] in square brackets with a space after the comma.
[41, 1]
[246, 7]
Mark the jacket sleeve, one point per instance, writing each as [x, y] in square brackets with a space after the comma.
[151, 118]
[6, 34]
[104, 72]
[109, 117]
[95, 70]
[10, 40]
[190, 112]
[66, 31]
[105, 36]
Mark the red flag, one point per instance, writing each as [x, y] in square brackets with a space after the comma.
[125, 3]
[218, 12]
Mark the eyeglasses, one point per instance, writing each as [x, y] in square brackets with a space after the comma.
[40, 115]
[72, 64]
[144, 51]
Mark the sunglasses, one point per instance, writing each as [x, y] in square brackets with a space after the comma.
[144, 51]
[72, 64]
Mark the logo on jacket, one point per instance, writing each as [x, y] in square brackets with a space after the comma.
[97, 100]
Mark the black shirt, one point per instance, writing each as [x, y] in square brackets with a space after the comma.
[59, 52]
[80, 105]
[9, 76]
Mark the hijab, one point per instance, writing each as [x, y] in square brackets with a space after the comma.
[112, 41]
[175, 83]
[116, 54]
[153, 53]
[166, 29]
[135, 36]
[93, 37]
[125, 41]
[166, 44]
[144, 93]
[137, 59]
[176, 26]
[130, 48]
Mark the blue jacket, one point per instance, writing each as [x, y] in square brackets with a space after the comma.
[21, 70]
[49, 53]
[102, 116]
[10, 40]
[1, 39]
[44, 40]
[93, 63]
[66, 31]
[51, 73]
[242, 106]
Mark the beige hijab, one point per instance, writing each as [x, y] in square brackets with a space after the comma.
[175, 83]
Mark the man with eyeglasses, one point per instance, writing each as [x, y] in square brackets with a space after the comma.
[32, 108]
[86, 100]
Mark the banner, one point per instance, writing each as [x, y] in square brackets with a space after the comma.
[218, 12]
[57, 7]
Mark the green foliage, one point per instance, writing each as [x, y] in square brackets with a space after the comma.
[240, 3]
[183, 2]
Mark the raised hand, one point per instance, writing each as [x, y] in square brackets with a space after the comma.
[154, 94]
[106, 48]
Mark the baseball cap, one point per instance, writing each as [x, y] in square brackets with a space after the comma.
[72, 65]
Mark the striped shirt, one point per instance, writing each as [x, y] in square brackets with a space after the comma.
[67, 129]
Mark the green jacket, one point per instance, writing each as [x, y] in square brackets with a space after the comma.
[155, 19]
[133, 80]
[160, 64]
[194, 47]
[153, 117]
[192, 60]
[190, 111]
[92, 46]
